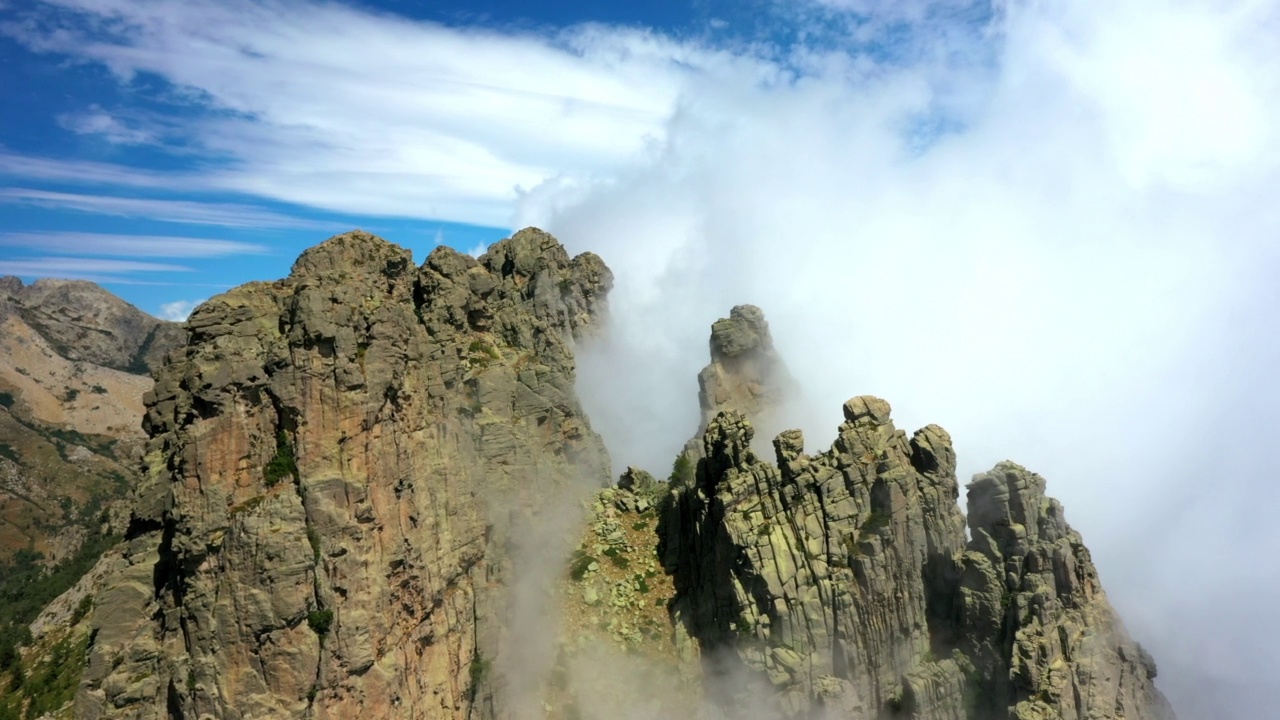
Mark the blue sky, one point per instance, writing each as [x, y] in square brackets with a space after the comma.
[140, 226]
[172, 150]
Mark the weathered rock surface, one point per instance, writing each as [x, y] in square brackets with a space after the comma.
[841, 583]
[1036, 622]
[345, 466]
[745, 374]
[324, 526]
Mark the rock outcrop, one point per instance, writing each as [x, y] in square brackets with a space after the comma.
[349, 469]
[1036, 623]
[841, 583]
[745, 374]
[335, 461]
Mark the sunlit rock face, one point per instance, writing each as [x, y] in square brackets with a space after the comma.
[334, 459]
[353, 471]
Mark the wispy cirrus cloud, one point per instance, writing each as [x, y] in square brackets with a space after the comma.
[127, 245]
[96, 121]
[167, 210]
[81, 172]
[425, 121]
[81, 268]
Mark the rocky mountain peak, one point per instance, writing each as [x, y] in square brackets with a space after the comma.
[745, 374]
[843, 583]
[84, 322]
[74, 365]
[744, 331]
[357, 253]
[1008, 502]
[347, 469]
[337, 463]
[867, 408]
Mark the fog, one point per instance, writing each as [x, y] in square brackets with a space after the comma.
[1062, 250]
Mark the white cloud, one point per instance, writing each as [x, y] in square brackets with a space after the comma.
[93, 173]
[96, 121]
[177, 211]
[97, 270]
[127, 245]
[1079, 277]
[178, 310]
[414, 119]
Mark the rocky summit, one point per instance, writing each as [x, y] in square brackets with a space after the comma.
[369, 490]
[842, 583]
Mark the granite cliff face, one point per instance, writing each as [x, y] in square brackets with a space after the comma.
[324, 529]
[842, 584]
[349, 470]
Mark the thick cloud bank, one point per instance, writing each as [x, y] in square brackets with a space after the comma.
[1063, 252]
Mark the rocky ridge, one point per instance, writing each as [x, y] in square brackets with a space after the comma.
[75, 362]
[337, 461]
[74, 365]
[351, 471]
[842, 583]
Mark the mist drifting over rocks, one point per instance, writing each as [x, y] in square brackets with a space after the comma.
[1055, 252]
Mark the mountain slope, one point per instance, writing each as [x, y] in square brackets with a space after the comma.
[74, 364]
[369, 490]
[324, 527]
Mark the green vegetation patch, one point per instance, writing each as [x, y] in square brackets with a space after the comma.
[579, 564]
[7, 451]
[283, 465]
[682, 470]
[26, 587]
[617, 558]
[49, 684]
[478, 671]
[320, 621]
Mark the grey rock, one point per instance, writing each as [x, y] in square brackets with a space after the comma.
[316, 514]
[843, 581]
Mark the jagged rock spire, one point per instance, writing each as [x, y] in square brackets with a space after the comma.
[745, 374]
[842, 583]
